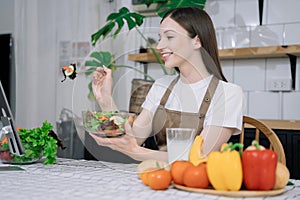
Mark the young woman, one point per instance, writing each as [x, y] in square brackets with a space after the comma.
[199, 97]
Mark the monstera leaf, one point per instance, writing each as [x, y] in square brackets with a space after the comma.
[99, 59]
[170, 4]
[124, 15]
[104, 59]
[134, 19]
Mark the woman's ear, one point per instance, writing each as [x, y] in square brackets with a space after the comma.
[197, 42]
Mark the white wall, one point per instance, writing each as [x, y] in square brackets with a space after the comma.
[236, 23]
[39, 28]
[6, 16]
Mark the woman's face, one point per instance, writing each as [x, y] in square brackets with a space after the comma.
[175, 46]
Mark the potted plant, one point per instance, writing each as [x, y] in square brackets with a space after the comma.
[114, 24]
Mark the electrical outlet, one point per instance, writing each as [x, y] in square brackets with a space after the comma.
[280, 84]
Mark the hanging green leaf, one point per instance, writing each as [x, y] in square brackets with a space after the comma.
[103, 57]
[132, 19]
[93, 63]
[99, 59]
[91, 96]
[90, 70]
[171, 4]
[149, 2]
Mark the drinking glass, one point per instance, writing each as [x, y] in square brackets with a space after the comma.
[179, 143]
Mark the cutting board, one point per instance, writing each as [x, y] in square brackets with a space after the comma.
[240, 193]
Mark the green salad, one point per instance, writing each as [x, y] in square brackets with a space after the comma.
[105, 122]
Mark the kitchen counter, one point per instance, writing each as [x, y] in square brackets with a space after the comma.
[82, 179]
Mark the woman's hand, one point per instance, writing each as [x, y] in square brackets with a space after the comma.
[102, 88]
[126, 144]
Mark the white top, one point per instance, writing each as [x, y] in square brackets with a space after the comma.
[226, 108]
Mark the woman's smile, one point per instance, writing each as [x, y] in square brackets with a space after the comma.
[165, 55]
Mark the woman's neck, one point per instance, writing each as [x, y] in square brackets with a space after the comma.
[193, 73]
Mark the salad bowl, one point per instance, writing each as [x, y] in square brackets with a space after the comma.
[106, 124]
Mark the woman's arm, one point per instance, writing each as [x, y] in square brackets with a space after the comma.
[214, 137]
[224, 117]
[142, 126]
[130, 143]
[145, 154]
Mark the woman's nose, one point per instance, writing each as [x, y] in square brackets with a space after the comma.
[160, 45]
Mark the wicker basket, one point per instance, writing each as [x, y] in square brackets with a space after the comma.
[139, 91]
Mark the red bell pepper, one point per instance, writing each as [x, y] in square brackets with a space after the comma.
[259, 168]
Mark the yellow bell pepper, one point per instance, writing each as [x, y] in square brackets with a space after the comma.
[224, 169]
[196, 155]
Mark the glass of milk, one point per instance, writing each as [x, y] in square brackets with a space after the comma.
[179, 143]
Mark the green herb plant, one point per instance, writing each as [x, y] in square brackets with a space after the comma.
[37, 142]
[4, 147]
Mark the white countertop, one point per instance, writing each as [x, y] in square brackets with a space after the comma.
[81, 179]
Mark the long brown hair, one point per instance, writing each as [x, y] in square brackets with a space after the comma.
[198, 23]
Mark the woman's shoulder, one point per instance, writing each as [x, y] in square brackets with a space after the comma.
[231, 86]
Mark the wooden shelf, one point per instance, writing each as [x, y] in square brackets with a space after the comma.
[239, 53]
[260, 52]
[142, 57]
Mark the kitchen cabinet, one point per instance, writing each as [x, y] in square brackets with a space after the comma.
[295, 154]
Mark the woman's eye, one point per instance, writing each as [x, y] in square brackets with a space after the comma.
[169, 37]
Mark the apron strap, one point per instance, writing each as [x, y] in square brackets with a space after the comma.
[207, 100]
[164, 99]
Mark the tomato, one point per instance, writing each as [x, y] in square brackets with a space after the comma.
[159, 179]
[177, 169]
[145, 174]
[196, 176]
[146, 165]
